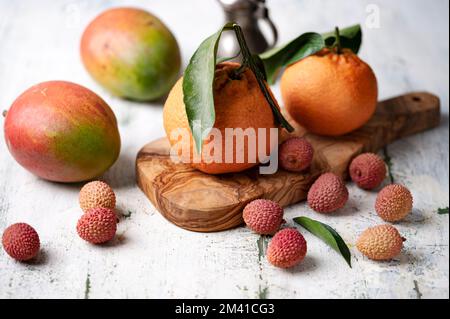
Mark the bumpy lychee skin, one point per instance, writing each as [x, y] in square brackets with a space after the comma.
[394, 202]
[97, 225]
[327, 194]
[97, 194]
[367, 170]
[263, 216]
[287, 248]
[381, 242]
[295, 154]
[21, 241]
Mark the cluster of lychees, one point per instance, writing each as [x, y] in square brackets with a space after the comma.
[328, 194]
[97, 225]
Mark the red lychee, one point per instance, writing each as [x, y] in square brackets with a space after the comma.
[367, 170]
[21, 241]
[263, 216]
[97, 225]
[287, 248]
[327, 194]
[295, 154]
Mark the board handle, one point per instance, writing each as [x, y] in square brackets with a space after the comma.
[399, 117]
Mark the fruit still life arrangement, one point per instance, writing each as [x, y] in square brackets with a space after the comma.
[327, 128]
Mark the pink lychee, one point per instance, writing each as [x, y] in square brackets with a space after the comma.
[97, 225]
[327, 194]
[367, 170]
[287, 248]
[295, 154]
[263, 216]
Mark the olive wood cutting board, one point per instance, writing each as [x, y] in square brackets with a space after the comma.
[200, 202]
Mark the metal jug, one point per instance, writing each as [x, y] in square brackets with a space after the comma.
[248, 14]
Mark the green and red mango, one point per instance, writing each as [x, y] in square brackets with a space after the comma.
[62, 132]
[131, 53]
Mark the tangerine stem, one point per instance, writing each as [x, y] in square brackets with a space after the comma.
[236, 74]
[338, 44]
[249, 61]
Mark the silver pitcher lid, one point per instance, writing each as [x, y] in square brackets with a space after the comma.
[241, 4]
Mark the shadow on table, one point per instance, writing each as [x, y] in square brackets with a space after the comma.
[308, 264]
[122, 174]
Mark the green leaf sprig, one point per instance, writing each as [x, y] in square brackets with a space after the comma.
[299, 48]
[308, 44]
[199, 80]
[350, 38]
[327, 234]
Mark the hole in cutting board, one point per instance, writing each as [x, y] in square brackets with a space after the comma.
[417, 98]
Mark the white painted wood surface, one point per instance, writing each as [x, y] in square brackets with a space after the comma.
[152, 258]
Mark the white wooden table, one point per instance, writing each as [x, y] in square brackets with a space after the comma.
[152, 258]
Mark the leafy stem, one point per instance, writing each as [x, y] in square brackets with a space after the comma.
[248, 60]
[236, 73]
[338, 44]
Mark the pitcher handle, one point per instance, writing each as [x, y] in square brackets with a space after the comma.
[263, 14]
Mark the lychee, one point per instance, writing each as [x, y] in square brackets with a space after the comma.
[295, 154]
[97, 194]
[381, 242]
[21, 241]
[287, 248]
[97, 225]
[327, 194]
[263, 216]
[394, 202]
[367, 170]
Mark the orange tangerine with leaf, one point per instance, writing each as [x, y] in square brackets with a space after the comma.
[330, 93]
[239, 104]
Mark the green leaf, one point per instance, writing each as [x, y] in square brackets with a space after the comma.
[297, 49]
[198, 88]
[351, 38]
[327, 234]
[442, 211]
[308, 44]
[199, 79]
